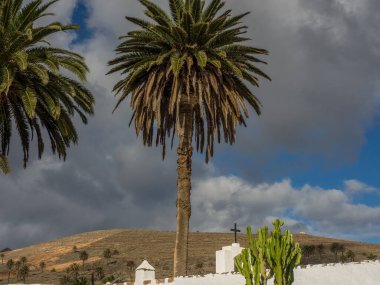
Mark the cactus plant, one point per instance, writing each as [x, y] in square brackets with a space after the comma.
[278, 252]
[243, 264]
[252, 262]
[283, 255]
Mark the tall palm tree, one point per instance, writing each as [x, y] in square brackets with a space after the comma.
[188, 75]
[24, 272]
[34, 93]
[18, 265]
[10, 265]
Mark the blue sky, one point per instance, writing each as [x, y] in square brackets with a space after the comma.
[312, 158]
[364, 167]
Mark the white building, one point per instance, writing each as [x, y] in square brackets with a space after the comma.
[225, 258]
[145, 272]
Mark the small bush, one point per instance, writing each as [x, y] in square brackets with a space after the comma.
[109, 278]
[371, 256]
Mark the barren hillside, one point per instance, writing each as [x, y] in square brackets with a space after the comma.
[155, 246]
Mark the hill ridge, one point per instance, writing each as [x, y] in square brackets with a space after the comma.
[154, 245]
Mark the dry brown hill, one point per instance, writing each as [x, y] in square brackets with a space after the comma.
[155, 246]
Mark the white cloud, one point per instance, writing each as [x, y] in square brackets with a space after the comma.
[319, 104]
[354, 187]
[219, 201]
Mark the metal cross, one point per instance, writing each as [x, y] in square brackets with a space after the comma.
[235, 230]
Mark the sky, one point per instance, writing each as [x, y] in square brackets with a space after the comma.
[311, 158]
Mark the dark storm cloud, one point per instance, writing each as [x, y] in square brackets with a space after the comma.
[324, 65]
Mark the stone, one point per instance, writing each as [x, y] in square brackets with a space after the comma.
[225, 258]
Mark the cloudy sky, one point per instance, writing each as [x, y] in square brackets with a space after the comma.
[312, 158]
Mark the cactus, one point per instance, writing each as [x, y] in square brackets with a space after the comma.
[277, 251]
[283, 255]
[243, 264]
[251, 263]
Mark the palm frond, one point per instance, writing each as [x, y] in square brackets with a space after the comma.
[196, 58]
[35, 97]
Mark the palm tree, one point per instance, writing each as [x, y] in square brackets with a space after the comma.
[83, 255]
[188, 75]
[24, 272]
[10, 265]
[351, 255]
[321, 250]
[99, 271]
[42, 266]
[23, 260]
[334, 248]
[107, 254]
[131, 267]
[34, 93]
[18, 265]
[73, 270]
[341, 249]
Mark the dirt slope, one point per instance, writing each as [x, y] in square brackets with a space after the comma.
[155, 246]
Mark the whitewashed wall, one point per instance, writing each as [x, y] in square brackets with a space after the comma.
[365, 273]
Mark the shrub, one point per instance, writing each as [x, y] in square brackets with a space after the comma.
[350, 255]
[371, 256]
[79, 281]
[109, 278]
[308, 250]
[99, 271]
[64, 280]
[321, 250]
[334, 248]
[199, 267]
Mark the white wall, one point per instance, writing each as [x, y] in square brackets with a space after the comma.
[365, 273]
[225, 258]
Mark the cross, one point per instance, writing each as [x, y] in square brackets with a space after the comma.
[235, 230]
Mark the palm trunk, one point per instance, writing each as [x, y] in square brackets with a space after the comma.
[184, 152]
[9, 276]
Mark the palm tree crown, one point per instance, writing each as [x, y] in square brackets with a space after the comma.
[34, 94]
[188, 74]
[196, 55]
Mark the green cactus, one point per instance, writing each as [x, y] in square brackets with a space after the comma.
[277, 252]
[243, 264]
[283, 255]
[251, 263]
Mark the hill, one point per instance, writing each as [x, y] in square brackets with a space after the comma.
[155, 246]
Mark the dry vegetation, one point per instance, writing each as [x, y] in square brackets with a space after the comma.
[155, 246]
